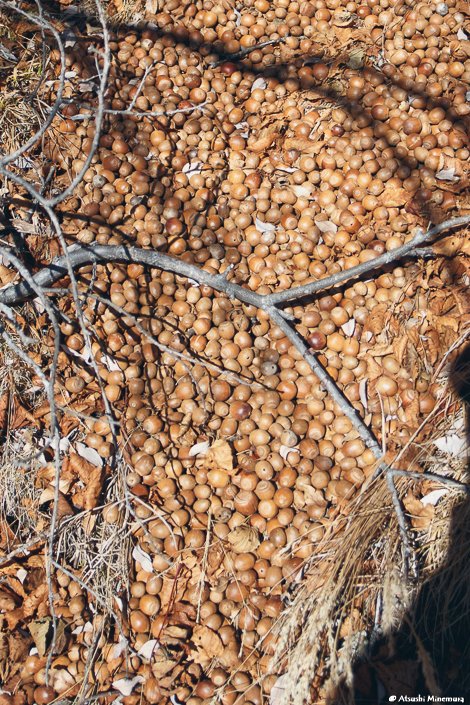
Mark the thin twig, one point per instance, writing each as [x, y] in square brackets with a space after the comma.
[146, 113]
[450, 482]
[232, 376]
[409, 557]
[43, 24]
[24, 548]
[248, 50]
[409, 249]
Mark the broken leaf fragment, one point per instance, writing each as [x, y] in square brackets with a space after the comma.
[244, 539]
[126, 685]
[394, 197]
[39, 630]
[208, 645]
[219, 456]
[356, 58]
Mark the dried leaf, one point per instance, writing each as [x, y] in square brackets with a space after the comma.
[276, 696]
[421, 515]
[230, 659]
[111, 364]
[83, 628]
[39, 630]
[172, 591]
[304, 145]
[412, 413]
[4, 403]
[161, 666]
[208, 642]
[433, 345]
[175, 632]
[448, 174]
[18, 648]
[440, 323]
[90, 454]
[349, 327]
[199, 449]
[363, 392]
[264, 139]
[375, 321]
[374, 370]
[264, 227]
[258, 83]
[244, 539]
[326, 226]
[400, 348]
[91, 476]
[23, 417]
[303, 190]
[285, 450]
[452, 444]
[21, 574]
[192, 169]
[433, 497]
[147, 649]
[152, 7]
[356, 58]
[394, 197]
[220, 456]
[126, 685]
[93, 489]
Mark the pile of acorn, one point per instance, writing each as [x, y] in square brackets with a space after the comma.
[269, 170]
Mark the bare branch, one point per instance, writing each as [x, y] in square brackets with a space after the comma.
[409, 557]
[79, 256]
[248, 50]
[327, 382]
[409, 249]
[442, 479]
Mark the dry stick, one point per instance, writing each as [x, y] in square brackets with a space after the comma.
[247, 50]
[407, 549]
[411, 248]
[99, 114]
[326, 381]
[147, 114]
[203, 564]
[80, 256]
[102, 253]
[435, 477]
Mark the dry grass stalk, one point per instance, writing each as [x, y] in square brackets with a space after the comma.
[323, 629]
[354, 593]
[98, 550]
[23, 69]
[19, 456]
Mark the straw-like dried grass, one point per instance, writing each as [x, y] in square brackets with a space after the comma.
[99, 550]
[355, 595]
[19, 455]
[324, 628]
[23, 69]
